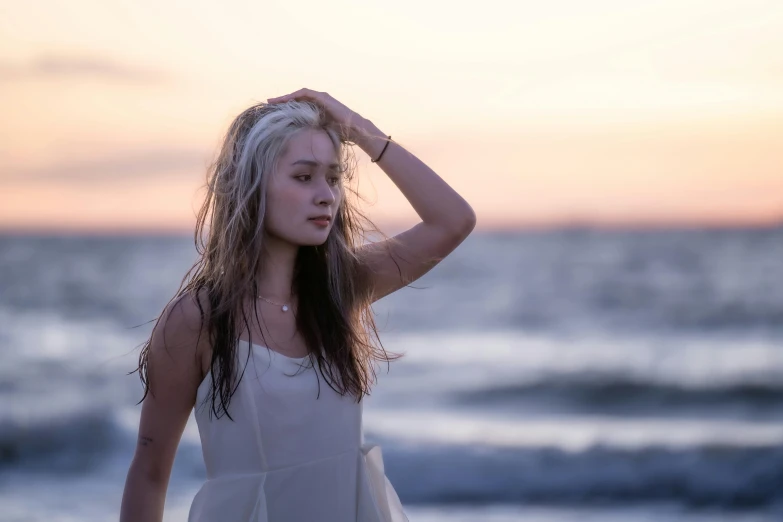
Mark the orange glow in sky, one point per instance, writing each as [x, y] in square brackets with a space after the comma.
[606, 112]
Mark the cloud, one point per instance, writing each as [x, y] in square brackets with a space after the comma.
[126, 166]
[49, 67]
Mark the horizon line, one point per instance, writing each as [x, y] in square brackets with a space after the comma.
[394, 227]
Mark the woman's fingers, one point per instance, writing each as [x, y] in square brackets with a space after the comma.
[339, 112]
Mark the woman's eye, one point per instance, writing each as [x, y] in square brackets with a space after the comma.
[332, 180]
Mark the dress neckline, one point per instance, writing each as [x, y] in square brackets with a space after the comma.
[295, 359]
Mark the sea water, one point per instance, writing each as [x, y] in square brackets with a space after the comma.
[559, 375]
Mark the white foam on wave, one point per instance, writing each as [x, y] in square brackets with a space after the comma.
[471, 360]
[573, 433]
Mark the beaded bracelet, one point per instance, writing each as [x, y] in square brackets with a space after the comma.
[384, 150]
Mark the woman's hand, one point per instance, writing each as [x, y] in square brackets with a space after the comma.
[354, 126]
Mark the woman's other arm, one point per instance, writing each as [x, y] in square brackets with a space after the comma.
[174, 374]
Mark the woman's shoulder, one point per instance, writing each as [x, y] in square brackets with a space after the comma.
[187, 309]
[184, 322]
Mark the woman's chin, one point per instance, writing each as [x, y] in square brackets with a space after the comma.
[314, 239]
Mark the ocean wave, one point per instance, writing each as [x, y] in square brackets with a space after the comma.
[628, 396]
[75, 442]
[709, 476]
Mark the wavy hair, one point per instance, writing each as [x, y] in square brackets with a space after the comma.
[334, 314]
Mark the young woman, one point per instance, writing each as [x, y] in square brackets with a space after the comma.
[284, 262]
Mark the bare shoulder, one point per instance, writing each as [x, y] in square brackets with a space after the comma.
[182, 327]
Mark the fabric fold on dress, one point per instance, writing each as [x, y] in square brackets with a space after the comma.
[386, 503]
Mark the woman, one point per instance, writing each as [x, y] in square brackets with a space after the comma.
[284, 262]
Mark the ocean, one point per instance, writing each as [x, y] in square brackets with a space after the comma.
[551, 375]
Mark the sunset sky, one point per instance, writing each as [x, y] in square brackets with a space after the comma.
[611, 111]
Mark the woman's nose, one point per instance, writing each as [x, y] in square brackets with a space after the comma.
[325, 193]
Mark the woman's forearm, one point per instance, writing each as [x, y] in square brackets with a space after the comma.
[430, 196]
[143, 499]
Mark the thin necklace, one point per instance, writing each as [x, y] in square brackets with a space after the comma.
[284, 307]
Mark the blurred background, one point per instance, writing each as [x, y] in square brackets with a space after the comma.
[607, 345]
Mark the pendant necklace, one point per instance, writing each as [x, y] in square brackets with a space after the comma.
[283, 307]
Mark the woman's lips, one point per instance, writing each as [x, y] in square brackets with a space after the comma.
[320, 222]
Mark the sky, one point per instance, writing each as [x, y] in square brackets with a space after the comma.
[538, 113]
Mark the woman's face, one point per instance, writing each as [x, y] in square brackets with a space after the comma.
[305, 183]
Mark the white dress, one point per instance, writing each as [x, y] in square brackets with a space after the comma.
[290, 455]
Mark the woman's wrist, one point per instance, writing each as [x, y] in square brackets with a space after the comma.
[370, 138]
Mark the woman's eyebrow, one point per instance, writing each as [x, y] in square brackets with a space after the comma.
[312, 163]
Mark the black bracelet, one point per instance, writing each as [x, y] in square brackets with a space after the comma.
[384, 150]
